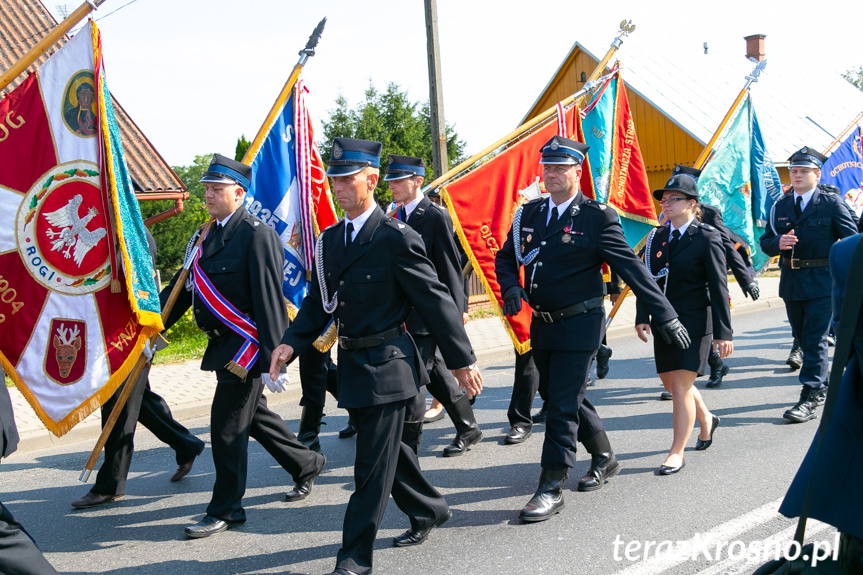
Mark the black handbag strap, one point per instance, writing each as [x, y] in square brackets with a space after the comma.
[847, 324]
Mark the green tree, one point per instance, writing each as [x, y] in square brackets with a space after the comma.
[389, 117]
[242, 147]
[173, 234]
[855, 77]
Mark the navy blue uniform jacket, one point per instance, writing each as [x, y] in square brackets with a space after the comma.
[568, 270]
[697, 276]
[838, 497]
[245, 263]
[381, 277]
[824, 221]
[434, 226]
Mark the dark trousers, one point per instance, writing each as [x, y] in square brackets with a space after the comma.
[239, 411]
[442, 384]
[571, 416]
[809, 321]
[18, 553]
[152, 412]
[316, 377]
[383, 465]
[525, 384]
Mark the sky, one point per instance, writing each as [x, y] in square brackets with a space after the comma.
[195, 75]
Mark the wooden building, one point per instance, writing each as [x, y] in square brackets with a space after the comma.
[22, 24]
[678, 100]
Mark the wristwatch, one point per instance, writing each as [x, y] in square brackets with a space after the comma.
[469, 367]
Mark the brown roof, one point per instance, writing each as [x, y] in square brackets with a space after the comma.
[22, 24]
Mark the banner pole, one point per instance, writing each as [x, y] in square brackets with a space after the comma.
[844, 133]
[55, 34]
[626, 27]
[702, 159]
[305, 54]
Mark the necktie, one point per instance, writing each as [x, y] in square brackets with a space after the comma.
[349, 232]
[553, 218]
[675, 239]
[213, 238]
[403, 215]
[798, 206]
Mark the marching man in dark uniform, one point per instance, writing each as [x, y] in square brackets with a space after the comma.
[370, 270]
[562, 241]
[802, 227]
[235, 291]
[405, 176]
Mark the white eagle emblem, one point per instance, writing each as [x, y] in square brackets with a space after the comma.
[74, 235]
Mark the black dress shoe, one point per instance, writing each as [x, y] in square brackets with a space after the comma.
[602, 357]
[340, 571]
[413, 537]
[541, 415]
[183, 470]
[666, 396]
[806, 407]
[207, 526]
[701, 445]
[669, 470]
[302, 489]
[795, 358]
[716, 375]
[516, 435]
[548, 498]
[349, 430]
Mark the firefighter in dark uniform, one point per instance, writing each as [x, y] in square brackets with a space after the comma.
[802, 227]
[405, 176]
[562, 241]
[370, 270]
[243, 259]
[150, 409]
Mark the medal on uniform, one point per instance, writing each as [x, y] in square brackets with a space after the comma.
[528, 238]
[566, 238]
[659, 254]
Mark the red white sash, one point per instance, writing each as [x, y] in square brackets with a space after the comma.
[230, 316]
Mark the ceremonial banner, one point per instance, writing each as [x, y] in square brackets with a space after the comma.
[482, 204]
[77, 296]
[619, 174]
[844, 169]
[290, 192]
[766, 187]
[726, 182]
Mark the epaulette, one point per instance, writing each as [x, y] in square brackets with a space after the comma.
[254, 222]
[395, 224]
[830, 188]
[538, 200]
[707, 227]
[441, 208]
[594, 204]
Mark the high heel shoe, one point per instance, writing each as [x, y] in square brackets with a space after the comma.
[668, 470]
[701, 445]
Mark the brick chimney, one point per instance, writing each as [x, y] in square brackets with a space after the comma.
[755, 46]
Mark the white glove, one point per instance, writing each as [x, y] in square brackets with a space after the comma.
[148, 350]
[278, 386]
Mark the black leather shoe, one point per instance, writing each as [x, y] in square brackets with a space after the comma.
[805, 408]
[541, 415]
[302, 489]
[413, 537]
[701, 445]
[821, 396]
[548, 498]
[94, 500]
[603, 463]
[207, 526]
[183, 470]
[602, 357]
[718, 370]
[349, 430]
[467, 431]
[666, 396]
[340, 571]
[795, 358]
[516, 435]
[310, 427]
[668, 470]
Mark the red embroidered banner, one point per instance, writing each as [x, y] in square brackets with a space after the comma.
[482, 204]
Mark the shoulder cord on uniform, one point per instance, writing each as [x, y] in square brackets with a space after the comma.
[329, 304]
[772, 212]
[189, 257]
[516, 240]
[663, 273]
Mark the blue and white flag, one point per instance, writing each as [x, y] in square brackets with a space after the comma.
[844, 169]
[766, 187]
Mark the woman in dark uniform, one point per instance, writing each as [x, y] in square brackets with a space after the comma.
[687, 259]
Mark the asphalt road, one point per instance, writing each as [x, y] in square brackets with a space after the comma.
[730, 492]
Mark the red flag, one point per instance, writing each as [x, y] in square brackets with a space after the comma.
[483, 202]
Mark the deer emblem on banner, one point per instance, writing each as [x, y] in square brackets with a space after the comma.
[62, 362]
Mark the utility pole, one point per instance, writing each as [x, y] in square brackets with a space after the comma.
[438, 124]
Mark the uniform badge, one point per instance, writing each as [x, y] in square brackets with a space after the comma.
[566, 238]
[528, 238]
[522, 248]
[337, 151]
[554, 145]
[659, 254]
